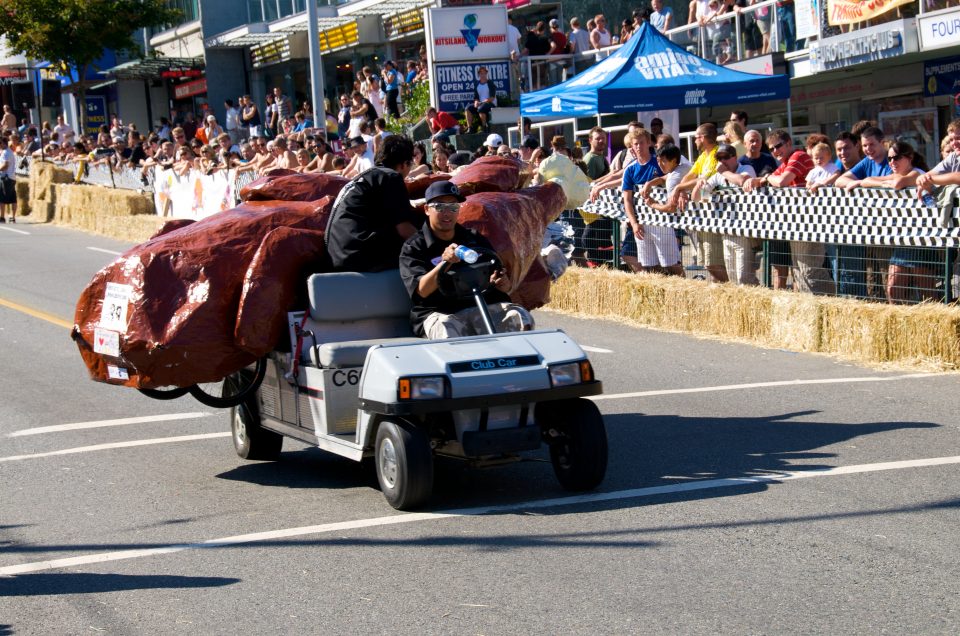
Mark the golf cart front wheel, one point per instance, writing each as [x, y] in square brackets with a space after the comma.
[404, 464]
[577, 438]
[233, 389]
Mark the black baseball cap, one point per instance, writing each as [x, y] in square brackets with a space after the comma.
[460, 158]
[530, 142]
[443, 189]
[357, 141]
[726, 149]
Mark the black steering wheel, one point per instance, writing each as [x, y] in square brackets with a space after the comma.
[461, 279]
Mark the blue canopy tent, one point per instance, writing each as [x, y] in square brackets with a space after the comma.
[650, 72]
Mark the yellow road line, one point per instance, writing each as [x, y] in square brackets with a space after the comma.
[36, 313]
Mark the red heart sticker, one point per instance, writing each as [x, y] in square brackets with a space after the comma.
[101, 341]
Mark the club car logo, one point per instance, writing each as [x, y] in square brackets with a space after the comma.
[695, 97]
[667, 64]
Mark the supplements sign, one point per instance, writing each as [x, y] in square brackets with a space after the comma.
[455, 83]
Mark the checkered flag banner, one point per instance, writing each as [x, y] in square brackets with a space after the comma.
[864, 216]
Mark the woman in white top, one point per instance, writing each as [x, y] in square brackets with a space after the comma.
[374, 95]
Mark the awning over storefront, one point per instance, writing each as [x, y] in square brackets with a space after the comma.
[242, 37]
[152, 67]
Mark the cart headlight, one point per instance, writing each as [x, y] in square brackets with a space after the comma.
[422, 388]
[570, 373]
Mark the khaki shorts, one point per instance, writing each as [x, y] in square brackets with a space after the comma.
[709, 249]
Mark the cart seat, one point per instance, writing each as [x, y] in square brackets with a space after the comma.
[342, 355]
[352, 311]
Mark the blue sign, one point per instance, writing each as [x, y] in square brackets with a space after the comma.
[456, 83]
[941, 77]
[96, 106]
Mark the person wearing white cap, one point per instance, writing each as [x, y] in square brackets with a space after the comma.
[493, 142]
[212, 130]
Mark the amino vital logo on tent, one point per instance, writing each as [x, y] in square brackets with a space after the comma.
[669, 63]
[695, 97]
[556, 104]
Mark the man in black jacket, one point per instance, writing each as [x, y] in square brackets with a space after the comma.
[429, 253]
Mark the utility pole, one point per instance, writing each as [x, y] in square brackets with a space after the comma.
[316, 68]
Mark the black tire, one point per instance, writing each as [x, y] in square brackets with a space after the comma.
[404, 464]
[232, 390]
[165, 394]
[577, 438]
[250, 439]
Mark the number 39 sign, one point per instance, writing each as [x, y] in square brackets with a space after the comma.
[113, 315]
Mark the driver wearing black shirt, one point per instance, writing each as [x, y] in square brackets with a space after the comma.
[429, 253]
[372, 215]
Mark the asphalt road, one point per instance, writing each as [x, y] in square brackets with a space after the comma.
[749, 491]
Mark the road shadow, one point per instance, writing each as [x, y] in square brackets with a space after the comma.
[659, 450]
[61, 583]
[640, 536]
[645, 451]
[305, 468]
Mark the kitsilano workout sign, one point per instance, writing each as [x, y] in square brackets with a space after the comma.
[459, 41]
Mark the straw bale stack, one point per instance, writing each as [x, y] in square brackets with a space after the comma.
[43, 177]
[23, 197]
[121, 214]
[922, 336]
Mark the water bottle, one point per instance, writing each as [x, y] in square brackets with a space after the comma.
[466, 254]
[928, 200]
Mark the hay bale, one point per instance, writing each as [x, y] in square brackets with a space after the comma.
[795, 322]
[23, 197]
[916, 335]
[43, 176]
[122, 214]
[925, 336]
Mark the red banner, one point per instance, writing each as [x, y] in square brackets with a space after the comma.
[853, 11]
[190, 89]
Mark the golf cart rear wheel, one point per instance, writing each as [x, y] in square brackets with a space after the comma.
[232, 390]
[404, 464]
[171, 393]
[250, 439]
[578, 441]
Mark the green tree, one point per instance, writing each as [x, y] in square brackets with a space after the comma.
[72, 34]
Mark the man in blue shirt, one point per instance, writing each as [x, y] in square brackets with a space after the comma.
[873, 164]
[761, 162]
[864, 279]
[643, 170]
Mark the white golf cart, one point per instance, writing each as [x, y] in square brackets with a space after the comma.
[356, 383]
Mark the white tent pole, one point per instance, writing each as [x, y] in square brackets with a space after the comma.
[789, 118]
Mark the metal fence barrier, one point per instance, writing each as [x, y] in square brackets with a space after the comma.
[873, 273]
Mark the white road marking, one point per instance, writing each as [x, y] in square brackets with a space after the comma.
[595, 349]
[129, 444]
[10, 229]
[100, 249]
[103, 423]
[400, 518]
[760, 385]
